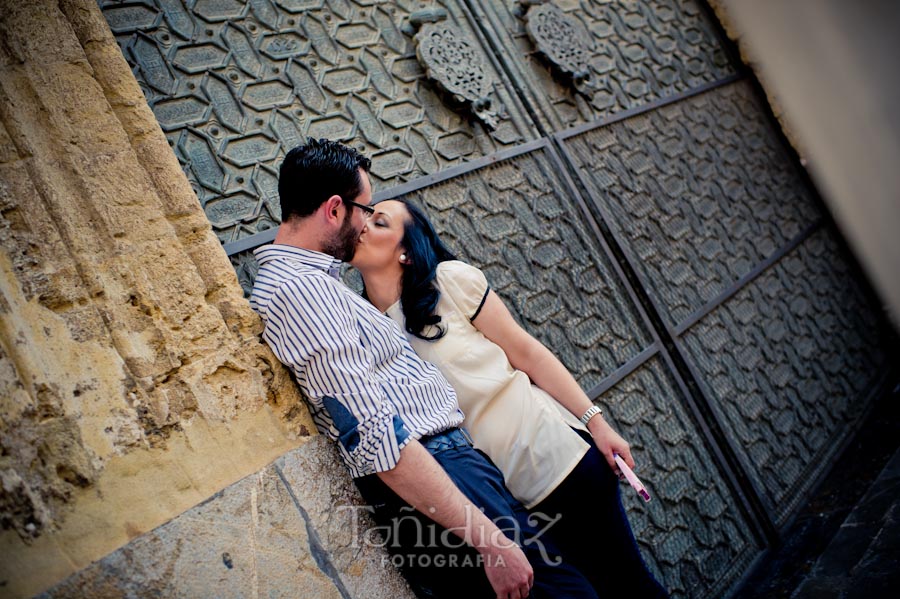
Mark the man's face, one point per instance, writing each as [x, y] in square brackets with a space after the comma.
[343, 245]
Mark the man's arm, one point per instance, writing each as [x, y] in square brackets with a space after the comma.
[420, 481]
[312, 329]
[324, 344]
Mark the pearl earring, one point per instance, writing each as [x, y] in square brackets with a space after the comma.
[402, 257]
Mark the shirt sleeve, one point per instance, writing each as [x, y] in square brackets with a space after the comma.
[465, 285]
[312, 329]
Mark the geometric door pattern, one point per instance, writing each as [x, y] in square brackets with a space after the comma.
[235, 85]
[651, 227]
[516, 219]
[699, 194]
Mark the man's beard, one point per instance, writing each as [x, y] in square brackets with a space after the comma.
[343, 245]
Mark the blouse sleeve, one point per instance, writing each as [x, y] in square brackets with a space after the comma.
[465, 285]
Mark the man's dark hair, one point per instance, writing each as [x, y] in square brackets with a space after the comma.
[315, 171]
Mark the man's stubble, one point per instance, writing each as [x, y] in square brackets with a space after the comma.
[343, 245]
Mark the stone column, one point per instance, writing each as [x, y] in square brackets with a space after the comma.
[134, 385]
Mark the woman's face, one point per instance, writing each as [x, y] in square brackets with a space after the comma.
[379, 242]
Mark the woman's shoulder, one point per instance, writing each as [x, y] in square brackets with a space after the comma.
[464, 284]
[457, 268]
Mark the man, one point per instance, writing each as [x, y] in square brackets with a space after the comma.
[394, 416]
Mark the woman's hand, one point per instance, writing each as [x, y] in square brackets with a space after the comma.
[609, 442]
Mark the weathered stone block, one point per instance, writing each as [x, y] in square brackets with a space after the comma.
[320, 483]
[249, 539]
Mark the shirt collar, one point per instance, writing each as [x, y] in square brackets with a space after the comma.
[314, 259]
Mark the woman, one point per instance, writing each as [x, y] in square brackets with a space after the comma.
[506, 382]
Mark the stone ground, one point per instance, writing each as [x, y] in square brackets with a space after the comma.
[845, 543]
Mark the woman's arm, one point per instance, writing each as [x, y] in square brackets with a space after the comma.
[529, 355]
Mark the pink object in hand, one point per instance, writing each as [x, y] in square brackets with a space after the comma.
[632, 478]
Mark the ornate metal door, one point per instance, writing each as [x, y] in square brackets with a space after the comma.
[613, 171]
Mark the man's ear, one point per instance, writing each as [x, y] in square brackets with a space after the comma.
[330, 210]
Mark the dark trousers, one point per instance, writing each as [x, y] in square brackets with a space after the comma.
[593, 531]
[438, 563]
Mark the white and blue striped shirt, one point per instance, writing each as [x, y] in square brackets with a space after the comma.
[366, 386]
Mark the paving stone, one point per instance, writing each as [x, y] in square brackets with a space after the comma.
[811, 562]
[863, 559]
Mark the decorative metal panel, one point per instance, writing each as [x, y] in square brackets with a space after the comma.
[456, 63]
[564, 42]
[699, 192]
[691, 533]
[787, 363]
[639, 52]
[235, 85]
[515, 220]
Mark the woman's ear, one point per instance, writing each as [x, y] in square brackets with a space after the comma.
[404, 258]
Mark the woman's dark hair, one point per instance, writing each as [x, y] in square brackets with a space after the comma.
[418, 295]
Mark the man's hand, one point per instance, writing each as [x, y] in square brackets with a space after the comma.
[507, 569]
[420, 481]
[609, 442]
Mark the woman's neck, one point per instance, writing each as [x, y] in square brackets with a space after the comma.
[383, 288]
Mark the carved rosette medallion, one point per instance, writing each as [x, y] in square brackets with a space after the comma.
[564, 41]
[456, 65]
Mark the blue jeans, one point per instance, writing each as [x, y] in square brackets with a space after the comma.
[438, 563]
[593, 531]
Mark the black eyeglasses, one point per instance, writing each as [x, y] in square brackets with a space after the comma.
[369, 210]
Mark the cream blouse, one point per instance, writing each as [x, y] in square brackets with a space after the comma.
[523, 429]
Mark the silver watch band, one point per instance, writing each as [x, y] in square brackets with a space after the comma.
[590, 413]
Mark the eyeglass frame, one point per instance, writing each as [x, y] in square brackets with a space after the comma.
[369, 210]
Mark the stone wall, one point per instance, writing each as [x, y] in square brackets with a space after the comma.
[134, 385]
[294, 529]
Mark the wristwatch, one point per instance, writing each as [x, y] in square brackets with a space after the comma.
[590, 413]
